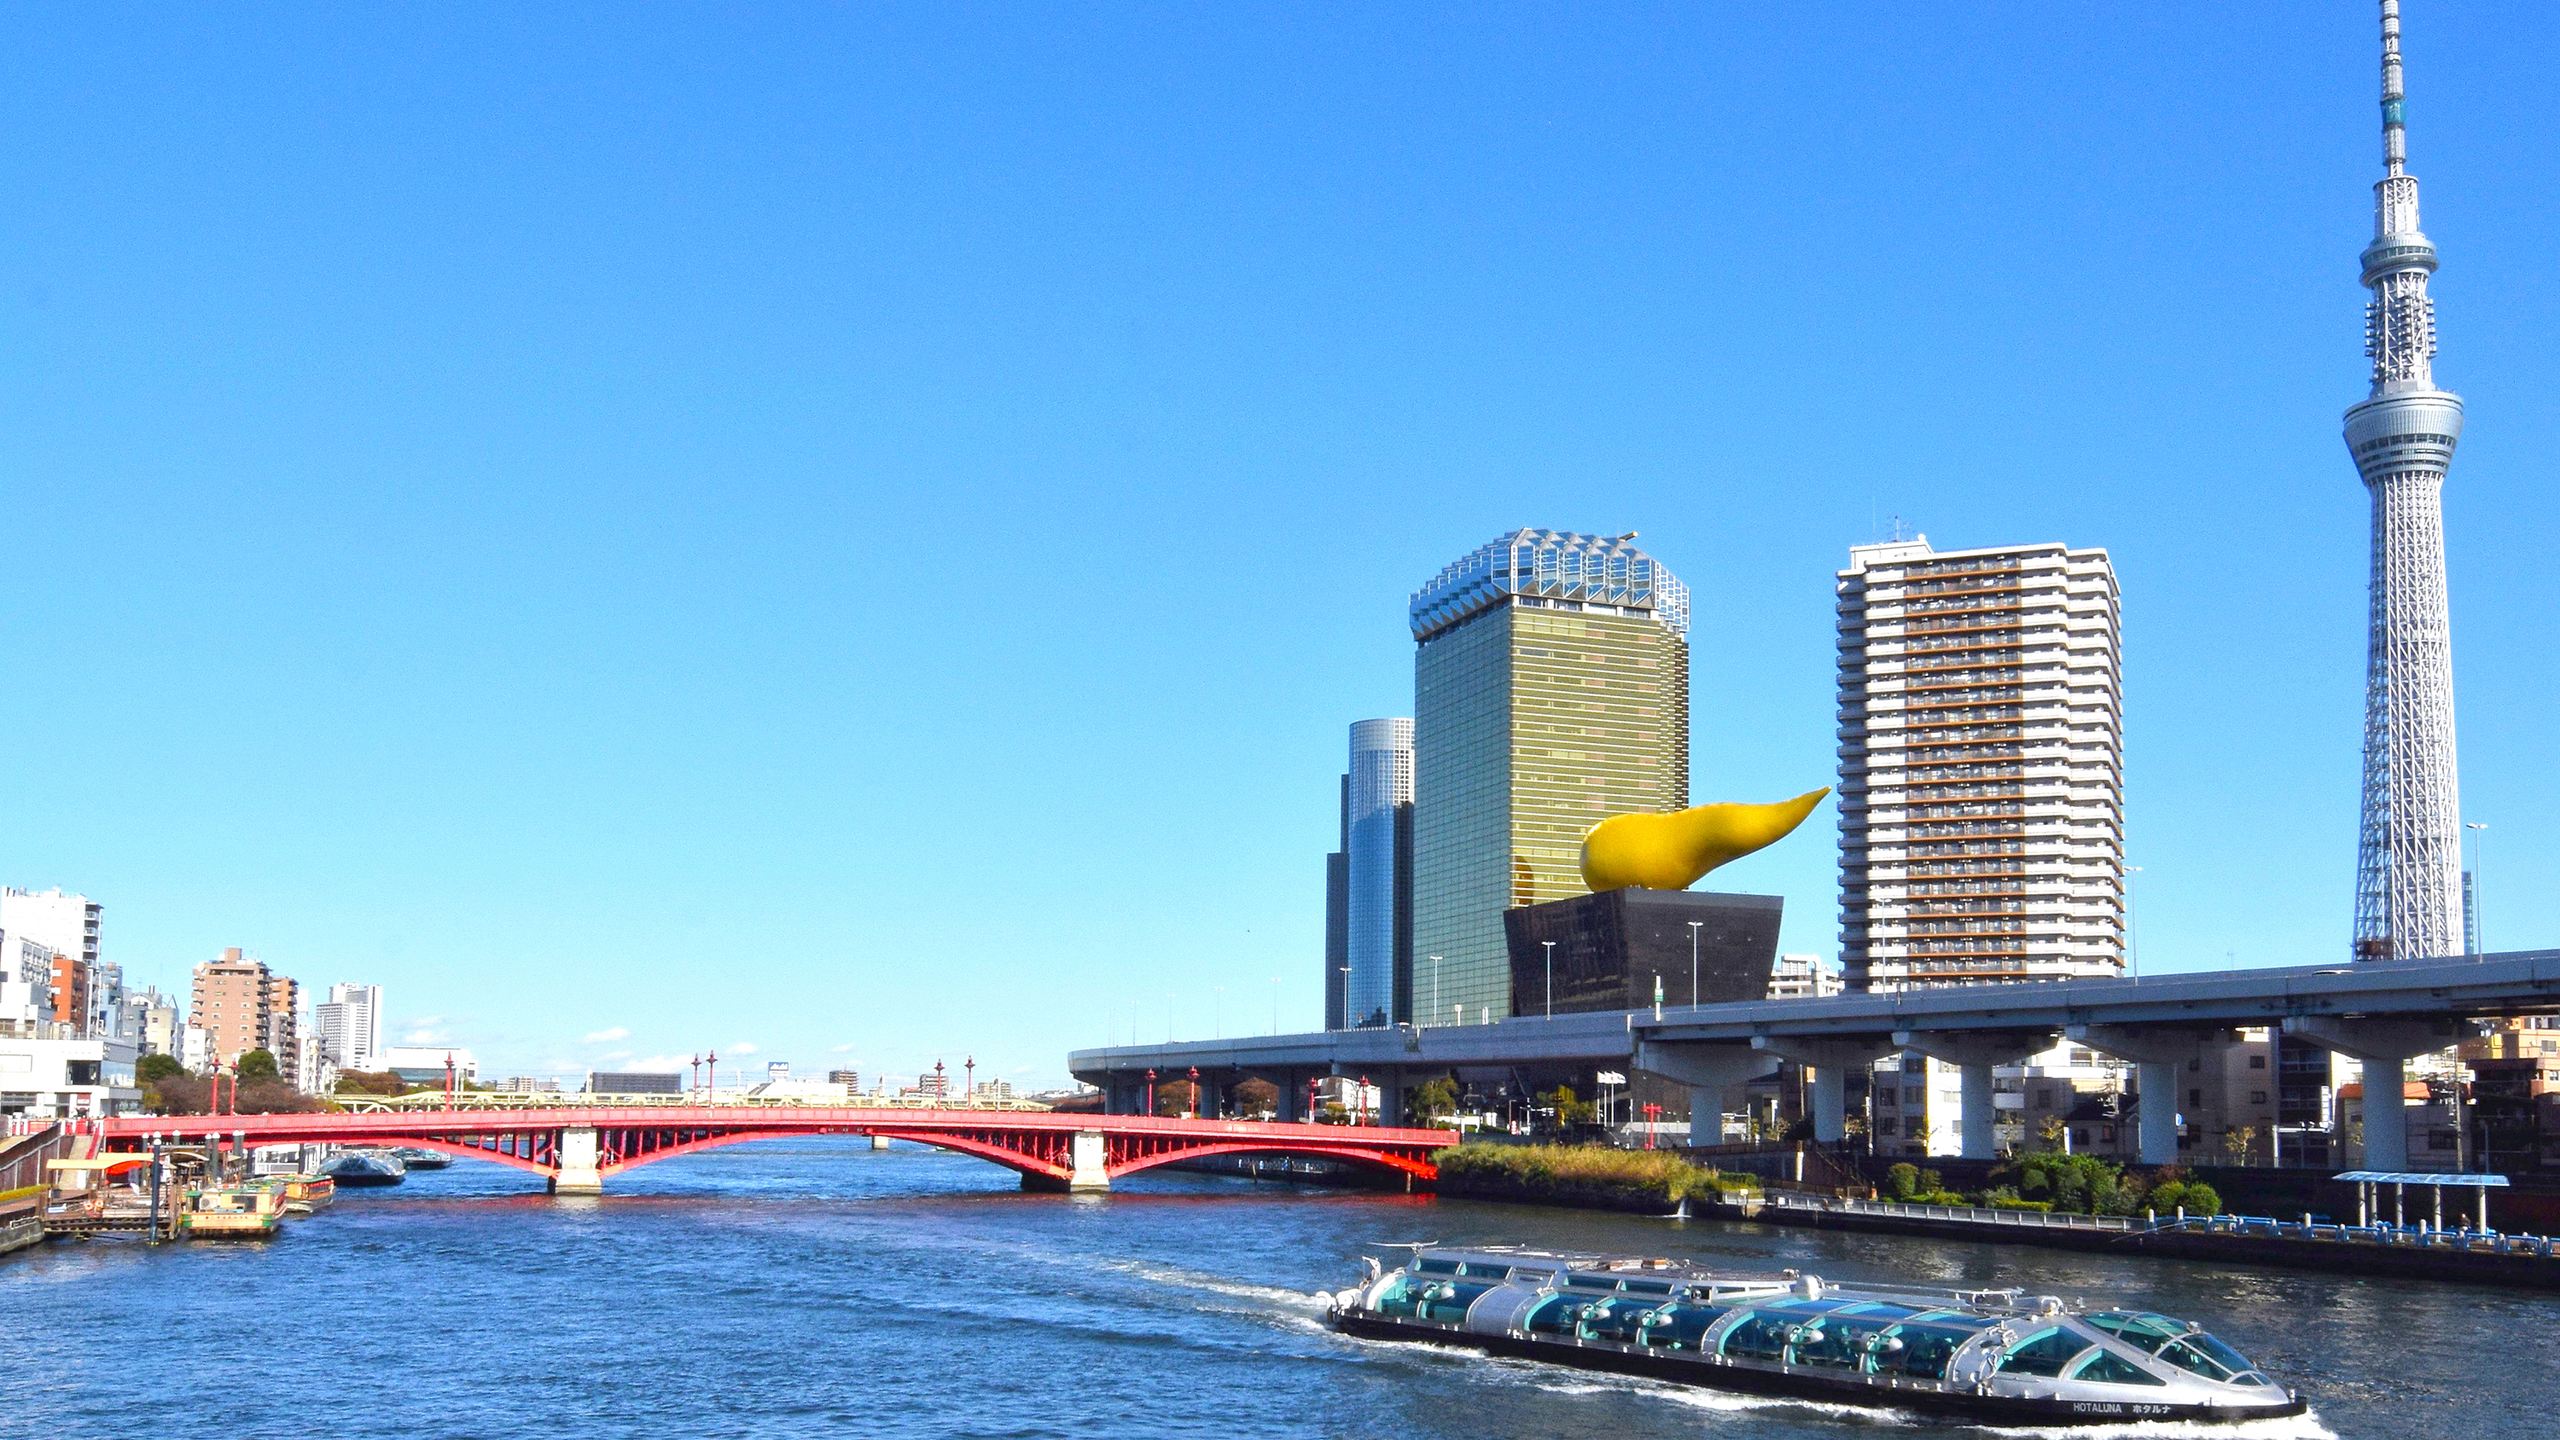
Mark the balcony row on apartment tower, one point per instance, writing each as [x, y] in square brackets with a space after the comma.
[1981, 748]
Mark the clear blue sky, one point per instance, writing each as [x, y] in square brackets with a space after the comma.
[857, 531]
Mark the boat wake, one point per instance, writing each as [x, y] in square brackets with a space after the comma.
[2305, 1426]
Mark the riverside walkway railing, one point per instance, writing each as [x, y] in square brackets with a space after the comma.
[1998, 1219]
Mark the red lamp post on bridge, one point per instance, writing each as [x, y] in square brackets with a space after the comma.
[1652, 1113]
[695, 1089]
[448, 1080]
[711, 1091]
[969, 1077]
[1194, 1112]
[1150, 1107]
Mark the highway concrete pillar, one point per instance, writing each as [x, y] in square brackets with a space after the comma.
[2156, 1056]
[1974, 1056]
[1977, 1115]
[575, 1171]
[2384, 1048]
[1709, 1070]
[1831, 1061]
[1290, 1097]
[2155, 1089]
[1390, 1096]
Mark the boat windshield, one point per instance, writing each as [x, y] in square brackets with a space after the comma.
[2183, 1345]
[2043, 1353]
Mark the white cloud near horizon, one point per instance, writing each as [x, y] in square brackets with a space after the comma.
[607, 1035]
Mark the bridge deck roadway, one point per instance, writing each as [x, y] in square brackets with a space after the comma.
[577, 1146]
[2513, 983]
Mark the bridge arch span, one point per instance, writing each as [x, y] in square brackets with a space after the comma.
[649, 1154]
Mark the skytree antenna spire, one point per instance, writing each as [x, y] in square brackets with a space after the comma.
[2409, 855]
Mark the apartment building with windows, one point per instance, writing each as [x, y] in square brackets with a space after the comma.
[1981, 745]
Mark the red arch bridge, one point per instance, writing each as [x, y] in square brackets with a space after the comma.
[576, 1148]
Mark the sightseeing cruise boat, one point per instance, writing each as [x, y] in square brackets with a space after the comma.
[356, 1168]
[1990, 1355]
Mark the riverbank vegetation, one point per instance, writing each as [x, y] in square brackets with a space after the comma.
[2062, 1184]
[1590, 1175]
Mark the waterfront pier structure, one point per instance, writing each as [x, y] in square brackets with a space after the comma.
[2382, 1014]
[576, 1148]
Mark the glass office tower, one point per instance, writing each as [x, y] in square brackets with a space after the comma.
[1551, 691]
[1378, 925]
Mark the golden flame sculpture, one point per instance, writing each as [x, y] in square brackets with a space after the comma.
[1672, 852]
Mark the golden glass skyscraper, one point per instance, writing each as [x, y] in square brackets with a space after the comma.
[1551, 691]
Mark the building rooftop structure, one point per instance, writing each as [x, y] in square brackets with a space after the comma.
[1553, 569]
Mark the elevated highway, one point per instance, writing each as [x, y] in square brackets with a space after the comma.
[2381, 1013]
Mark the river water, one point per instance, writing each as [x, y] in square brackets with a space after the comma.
[816, 1287]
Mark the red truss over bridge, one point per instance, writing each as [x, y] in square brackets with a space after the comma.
[576, 1147]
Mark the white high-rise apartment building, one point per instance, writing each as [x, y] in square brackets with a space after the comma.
[349, 1023]
[1981, 766]
[67, 923]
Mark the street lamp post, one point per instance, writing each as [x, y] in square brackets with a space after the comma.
[2478, 945]
[1551, 977]
[1346, 996]
[1693, 962]
[2132, 925]
[1435, 986]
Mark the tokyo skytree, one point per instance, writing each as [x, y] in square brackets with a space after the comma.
[2409, 858]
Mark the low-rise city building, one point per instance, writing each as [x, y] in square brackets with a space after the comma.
[427, 1064]
[635, 1082]
[1803, 977]
[67, 1077]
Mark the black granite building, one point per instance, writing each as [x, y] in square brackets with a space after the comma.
[1611, 947]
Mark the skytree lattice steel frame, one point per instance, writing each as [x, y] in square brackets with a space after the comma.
[2409, 851]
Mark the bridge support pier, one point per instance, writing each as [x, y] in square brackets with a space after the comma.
[1831, 1061]
[2384, 1048]
[1708, 1071]
[1088, 1164]
[1977, 1113]
[2156, 1056]
[577, 1173]
[879, 1142]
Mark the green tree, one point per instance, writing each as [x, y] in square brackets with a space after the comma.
[152, 1069]
[2202, 1199]
[1256, 1097]
[1173, 1097]
[257, 1065]
[1433, 1099]
[1901, 1180]
[1571, 1109]
[2239, 1140]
